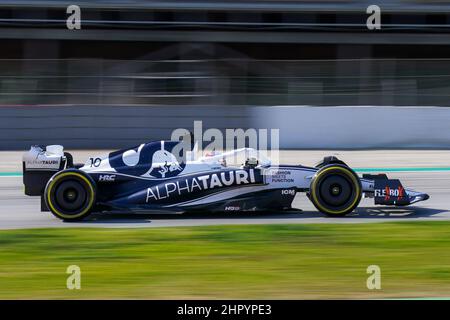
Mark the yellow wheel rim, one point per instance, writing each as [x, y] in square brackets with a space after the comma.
[52, 184]
[314, 195]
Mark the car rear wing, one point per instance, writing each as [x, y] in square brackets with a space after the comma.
[40, 163]
[391, 191]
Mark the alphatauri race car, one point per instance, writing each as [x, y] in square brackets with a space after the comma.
[154, 178]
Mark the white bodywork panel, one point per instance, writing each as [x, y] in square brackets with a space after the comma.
[39, 159]
[276, 177]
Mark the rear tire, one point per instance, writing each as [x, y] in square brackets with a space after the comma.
[335, 190]
[70, 195]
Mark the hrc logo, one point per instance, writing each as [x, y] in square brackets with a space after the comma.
[107, 177]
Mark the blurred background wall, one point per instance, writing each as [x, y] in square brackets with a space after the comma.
[139, 69]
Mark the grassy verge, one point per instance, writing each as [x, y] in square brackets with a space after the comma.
[272, 261]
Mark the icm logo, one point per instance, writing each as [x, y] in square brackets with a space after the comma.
[107, 177]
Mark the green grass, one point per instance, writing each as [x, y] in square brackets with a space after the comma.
[250, 261]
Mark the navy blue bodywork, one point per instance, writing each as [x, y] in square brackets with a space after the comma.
[129, 188]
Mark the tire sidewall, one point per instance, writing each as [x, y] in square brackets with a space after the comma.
[320, 174]
[59, 177]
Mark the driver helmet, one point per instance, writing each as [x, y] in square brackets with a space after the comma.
[251, 162]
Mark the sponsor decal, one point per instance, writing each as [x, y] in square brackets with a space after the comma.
[42, 162]
[232, 208]
[107, 177]
[281, 176]
[388, 192]
[288, 192]
[200, 183]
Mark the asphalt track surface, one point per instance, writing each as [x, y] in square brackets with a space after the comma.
[426, 171]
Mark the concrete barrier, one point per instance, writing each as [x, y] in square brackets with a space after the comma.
[106, 127]
[360, 127]
[357, 127]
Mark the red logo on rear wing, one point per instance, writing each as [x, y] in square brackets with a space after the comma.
[389, 191]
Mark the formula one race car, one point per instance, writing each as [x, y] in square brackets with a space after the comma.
[154, 178]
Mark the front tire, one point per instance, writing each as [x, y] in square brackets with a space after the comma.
[70, 195]
[335, 190]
